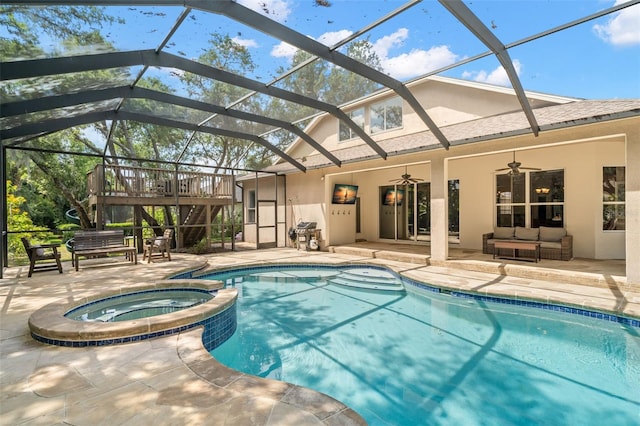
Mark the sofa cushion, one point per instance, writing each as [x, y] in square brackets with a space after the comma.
[552, 234]
[551, 245]
[529, 234]
[503, 233]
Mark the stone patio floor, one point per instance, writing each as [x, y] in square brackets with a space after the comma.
[173, 380]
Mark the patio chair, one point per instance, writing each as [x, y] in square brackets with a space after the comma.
[159, 245]
[44, 253]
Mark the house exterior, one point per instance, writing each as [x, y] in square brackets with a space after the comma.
[580, 172]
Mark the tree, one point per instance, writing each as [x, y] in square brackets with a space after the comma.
[17, 219]
[222, 151]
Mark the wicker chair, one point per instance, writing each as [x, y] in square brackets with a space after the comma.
[43, 253]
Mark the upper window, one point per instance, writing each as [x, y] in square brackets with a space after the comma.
[346, 132]
[613, 198]
[386, 115]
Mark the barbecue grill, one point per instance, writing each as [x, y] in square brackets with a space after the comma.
[305, 231]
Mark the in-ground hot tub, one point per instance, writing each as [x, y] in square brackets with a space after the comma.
[140, 304]
[147, 313]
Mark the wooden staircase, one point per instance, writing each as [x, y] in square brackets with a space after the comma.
[193, 216]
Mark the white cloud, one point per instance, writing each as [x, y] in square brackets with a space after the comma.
[402, 66]
[383, 45]
[278, 10]
[333, 37]
[418, 62]
[245, 42]
[623, 28]
[285, 50]
[497, 77]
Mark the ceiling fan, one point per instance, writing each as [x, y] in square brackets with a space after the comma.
[406, 179]
[514, 167]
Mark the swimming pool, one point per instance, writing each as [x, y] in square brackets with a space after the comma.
[402, 358]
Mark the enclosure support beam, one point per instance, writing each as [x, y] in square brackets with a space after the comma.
[4, 246]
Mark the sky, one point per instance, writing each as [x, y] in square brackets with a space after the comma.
[597, 59]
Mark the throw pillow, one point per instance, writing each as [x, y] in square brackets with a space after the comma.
[529, 234]
[503, 233]
[552, 234]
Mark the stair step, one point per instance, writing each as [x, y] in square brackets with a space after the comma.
[370, 276]
[391, 285]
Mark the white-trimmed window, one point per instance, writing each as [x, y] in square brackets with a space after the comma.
[251, 206]
[613, 198]
[386, 115]
[531, 199]
[345, 132]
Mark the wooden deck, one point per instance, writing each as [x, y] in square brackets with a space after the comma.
[126, 185]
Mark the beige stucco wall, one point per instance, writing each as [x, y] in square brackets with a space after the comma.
[445, 102]
[582, 163]
[581, 152]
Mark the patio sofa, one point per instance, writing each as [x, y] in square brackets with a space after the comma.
[555, 244]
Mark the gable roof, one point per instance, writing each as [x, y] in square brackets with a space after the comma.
[553, 117]
[51, 108]
[532, 98]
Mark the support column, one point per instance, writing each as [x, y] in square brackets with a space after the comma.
[632, 208]
[439, 210]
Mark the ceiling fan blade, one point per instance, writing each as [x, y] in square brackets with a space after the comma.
[530, 168]
[503, 169]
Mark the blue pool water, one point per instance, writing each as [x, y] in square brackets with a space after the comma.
[400, 358]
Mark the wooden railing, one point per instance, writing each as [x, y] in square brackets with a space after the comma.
[149, 182]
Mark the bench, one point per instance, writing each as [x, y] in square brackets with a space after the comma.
[91, 244]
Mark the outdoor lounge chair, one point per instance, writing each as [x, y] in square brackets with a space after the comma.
[159, 245]
[42, 252]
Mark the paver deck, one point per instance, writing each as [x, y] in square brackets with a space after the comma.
[172, 380]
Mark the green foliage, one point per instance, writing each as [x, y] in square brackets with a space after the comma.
[67, 230]
[21, 22]
[199, 248]
[19, 220]
[126, 226]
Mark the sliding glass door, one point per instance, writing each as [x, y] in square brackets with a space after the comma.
[405, 211]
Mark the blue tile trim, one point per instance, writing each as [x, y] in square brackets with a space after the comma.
[527, 303]
[426, 287]
[217, 329]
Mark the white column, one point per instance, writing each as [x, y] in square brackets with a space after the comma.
[632, 208]
[439, 210]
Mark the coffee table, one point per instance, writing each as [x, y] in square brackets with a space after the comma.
[516, 246]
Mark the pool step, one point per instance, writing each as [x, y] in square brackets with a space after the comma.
[368, 279]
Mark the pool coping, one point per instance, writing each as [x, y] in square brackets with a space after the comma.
[326, 409]
[49, 324]
[193, 353]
